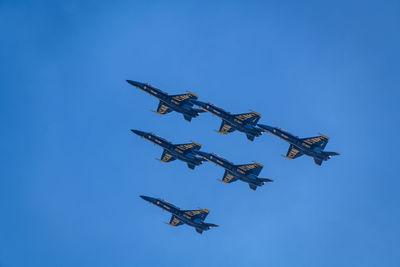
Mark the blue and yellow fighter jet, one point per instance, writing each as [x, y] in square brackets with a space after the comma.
[248, 173]
[245, 122]
[184, 152]
[310, 146]
[179, 103]
[194, 218]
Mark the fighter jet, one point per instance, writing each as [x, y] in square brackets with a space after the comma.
[184, 152]
[193, 218]
[246, 122]
[179, 103]
[310, 146]
[247, 172]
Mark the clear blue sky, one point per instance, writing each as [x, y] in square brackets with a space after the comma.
[71, 171]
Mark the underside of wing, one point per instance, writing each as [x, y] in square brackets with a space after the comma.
[166, 157]
[183, 98]
[293, 153]
[175, 221]
[228, 178]
[254, 168]
[226, 128]
[163, 109]
[252, 117]
[200, 213]
[317, 141]
[187, 147]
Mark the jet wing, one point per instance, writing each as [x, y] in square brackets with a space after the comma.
[175, 221]
[317, 141]
[252, 117]
[163, 109]
[182, 98]
[254, 168]
[228, 178]
[187, 147]
[293, 153]
[226, 128]
[166, 157]
[201, 214]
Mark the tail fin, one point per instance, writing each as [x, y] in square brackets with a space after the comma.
[253, 187]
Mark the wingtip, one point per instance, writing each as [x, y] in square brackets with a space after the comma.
[255, 112]
[259, 164]
[324, 136]
[195, 143]
[192, 93]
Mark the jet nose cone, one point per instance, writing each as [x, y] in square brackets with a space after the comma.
[134, 83]
[146, 198]
[140, 133]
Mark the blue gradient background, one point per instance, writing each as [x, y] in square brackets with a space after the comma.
[71, 171]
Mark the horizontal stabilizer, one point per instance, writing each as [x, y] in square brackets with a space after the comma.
[187, 117]
[250, 137]
[318, 161]
[253, 187]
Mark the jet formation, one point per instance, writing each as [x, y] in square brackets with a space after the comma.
[194, 218]
[190, 153]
